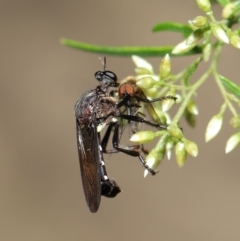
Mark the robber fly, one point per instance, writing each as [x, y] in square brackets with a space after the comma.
[94, 107]
[135, 97]
[97, 108]
[132, 99]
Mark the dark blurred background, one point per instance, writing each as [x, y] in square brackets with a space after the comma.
[40, 81]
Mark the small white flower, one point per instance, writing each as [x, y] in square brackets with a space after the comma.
[146, 81]
[143, 136]
[142, 63]
[235, 40]
[191, 148]
[182, 47]
[219, 33]
[199, 21]
[214, 126]
[153, 164]
[229, 9]
[155, 156]
[165, 67]
[167, 104]
[232, 142]
[204, 5]
[192, 107]
[169, 147]
[181, 154]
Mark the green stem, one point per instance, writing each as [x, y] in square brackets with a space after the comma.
[194, 87]
[219, 83]
[178, 87]
[189, 95]
[212, 69]
[224, 94]
[211, 16]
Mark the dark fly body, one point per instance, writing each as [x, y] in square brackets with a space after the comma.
[94, 110]
[93, 107]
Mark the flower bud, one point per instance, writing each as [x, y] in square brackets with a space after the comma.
[190, 118]
[207, 49]
[142, 63]
[155, 156]
[183, 47]
[169, 147]
[192, 107]
[235, 122]
[145, 81]
[142, 71]
[234, 40]
[191, 147]
[153, 160]
[228, 9]
[181, 154]
[200, 21]
[232, 142]
[152, 92]
[204, 5]
[165, 67]
[214, 126]
[192, 26]
[219, 33]
[175, 131]
[143, 136]
[194, 37]
[168, 102]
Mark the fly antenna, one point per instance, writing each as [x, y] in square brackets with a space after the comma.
[104, 62]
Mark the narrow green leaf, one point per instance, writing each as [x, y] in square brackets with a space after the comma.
[149, 51]
[231, 86]
[190, 70]
[173, 27]
[223, 2]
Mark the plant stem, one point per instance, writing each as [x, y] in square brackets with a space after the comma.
[189, 95]
[201, 80]
[224, 93]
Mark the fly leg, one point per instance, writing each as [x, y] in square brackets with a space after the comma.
[106, 138]
[109, 187]
[130, 152]
[142, 120]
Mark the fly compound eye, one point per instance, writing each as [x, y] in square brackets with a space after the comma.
[110, 75]
[107, 78]
[125, 89]
[99, 75]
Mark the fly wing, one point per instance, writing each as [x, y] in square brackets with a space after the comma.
[151, 110]
[88, 151]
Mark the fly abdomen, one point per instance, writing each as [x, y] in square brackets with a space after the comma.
[109, 188]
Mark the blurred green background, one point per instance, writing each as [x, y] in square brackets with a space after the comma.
[40, 81]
